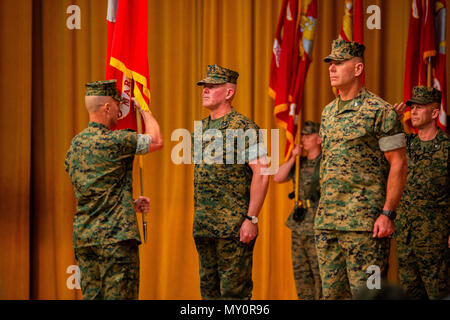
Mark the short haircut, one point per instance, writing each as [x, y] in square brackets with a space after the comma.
[94, 103]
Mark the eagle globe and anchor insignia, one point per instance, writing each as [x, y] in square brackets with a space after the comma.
[124, 107]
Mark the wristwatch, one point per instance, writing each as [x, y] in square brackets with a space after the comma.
[391, 214]
[253, 219]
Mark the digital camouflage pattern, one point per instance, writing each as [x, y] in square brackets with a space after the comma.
[99, 163]
[216, 74]
[222, 191]
[304, 256]
[104, 88]
[309, 171]
[311, 127]
[354, 170]
[424, 95]
[344, 259]
[306, 267]
[225, 268]
[424, 271]
[423, 222]
[342, 50]
[109, 272]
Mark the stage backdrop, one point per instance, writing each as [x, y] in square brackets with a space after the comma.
[44, 67]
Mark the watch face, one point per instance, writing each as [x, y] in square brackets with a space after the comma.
[254, 219]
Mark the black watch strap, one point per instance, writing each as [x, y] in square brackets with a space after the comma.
[253, 219]
[391, 214]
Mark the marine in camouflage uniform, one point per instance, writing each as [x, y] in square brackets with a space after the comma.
[105, 229]
[358, 133]
[222, 184]
[301, 222]
[423, 225]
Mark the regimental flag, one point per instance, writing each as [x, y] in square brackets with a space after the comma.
[439, 71]
[290, 63]
[276, 49]
[352, 28]
[346, 32]
[358, 21]
[308, 22]
[127, 59]
[426, 45]
[284, 55]
[358, 27]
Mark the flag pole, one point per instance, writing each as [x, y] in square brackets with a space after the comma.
[297, 164]
[141, 175]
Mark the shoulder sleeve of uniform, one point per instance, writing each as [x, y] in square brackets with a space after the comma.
[325, 115]
[143, 143]
[388, 129]
[126, 139]
[329, 107]
[67, 160]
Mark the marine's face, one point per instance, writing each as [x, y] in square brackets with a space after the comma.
[214, 94]
[423, 115]
[114, 111]
[342, 73]
[310, 141]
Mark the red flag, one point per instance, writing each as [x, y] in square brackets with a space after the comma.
[284, 54]
[358, 27]
[440, 75]
[127, 59]
[420, 48]
[412, 59]
[352, 28]
[308, 22]
[294, 60]
[276, 51]
[284, 61]
[358, 21]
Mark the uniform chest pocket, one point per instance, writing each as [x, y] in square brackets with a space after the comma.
[439, 172]
[352, 128]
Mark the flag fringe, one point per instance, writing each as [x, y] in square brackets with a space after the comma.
[116, 63]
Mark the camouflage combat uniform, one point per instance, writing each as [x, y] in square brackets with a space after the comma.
[355, 134]
[221, 200]
[304, 256]
[353, 188]
[105, 229]
[422, 227]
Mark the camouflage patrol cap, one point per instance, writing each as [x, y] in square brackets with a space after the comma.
[424, 95]
[104, 88]
[342, 50]
[311, 127]
[216, 74]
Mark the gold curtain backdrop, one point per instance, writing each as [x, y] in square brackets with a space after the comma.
[44, 67]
